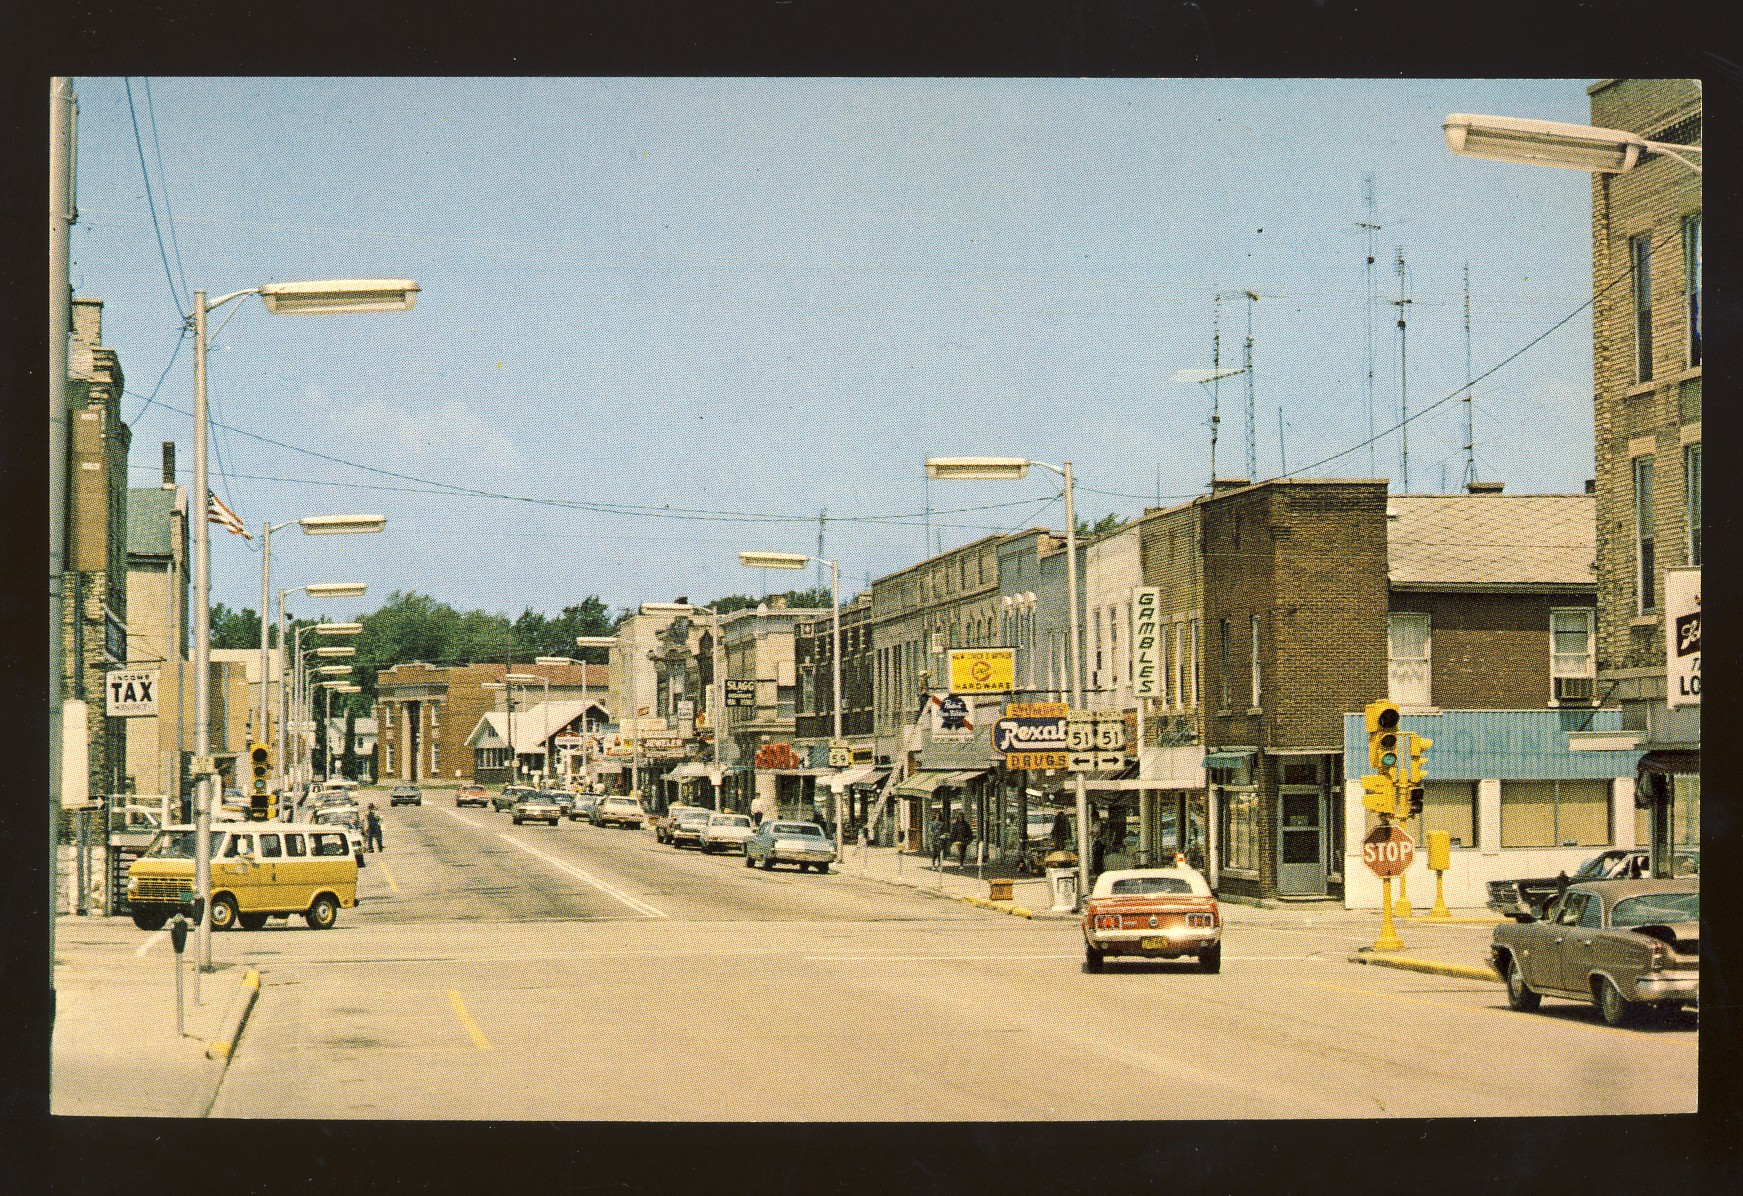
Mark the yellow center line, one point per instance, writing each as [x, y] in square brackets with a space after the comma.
[471, 1027]
[1374, 992]
[387, 872]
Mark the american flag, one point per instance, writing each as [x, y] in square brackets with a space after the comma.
[217, 512]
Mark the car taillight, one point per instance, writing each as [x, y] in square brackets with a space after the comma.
[1658, 957]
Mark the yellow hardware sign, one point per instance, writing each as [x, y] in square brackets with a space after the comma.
[1037, 760]
[983, 670]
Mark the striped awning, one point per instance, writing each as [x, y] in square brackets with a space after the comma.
[922, 784]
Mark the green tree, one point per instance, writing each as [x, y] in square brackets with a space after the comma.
[234, 628]
[1101, 527]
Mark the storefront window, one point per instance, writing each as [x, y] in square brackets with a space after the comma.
[1240, 829]
[1449, 806]
[1555, 813]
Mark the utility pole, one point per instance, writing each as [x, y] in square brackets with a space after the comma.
[1368, 320]
[62, 115]
[1470, 423]
[1252, 418]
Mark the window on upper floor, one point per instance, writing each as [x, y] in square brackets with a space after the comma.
[1253, 658]
[1640, 267]
[1691, 285]
[1223, 659]
[1645, 556]
[1409, 645]
[1572, 655]
[1691, 477]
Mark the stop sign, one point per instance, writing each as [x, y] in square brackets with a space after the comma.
[1388, 851]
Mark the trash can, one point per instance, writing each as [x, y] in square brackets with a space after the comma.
[999, 889]
[1062, 884]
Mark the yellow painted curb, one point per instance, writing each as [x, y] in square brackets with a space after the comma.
[1431, 967]
[221, 1048]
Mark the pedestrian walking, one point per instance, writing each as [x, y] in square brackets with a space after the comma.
[940, 836]
[372, 827]
[960, 834]
[1061, 831]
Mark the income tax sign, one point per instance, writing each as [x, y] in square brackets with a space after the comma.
[1388, 851]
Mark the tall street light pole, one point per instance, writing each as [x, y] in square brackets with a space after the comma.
[1010, 468]
[311, 525]
[528, 679]
[335, 589]
[288, 298]
[593, 641]
[798, 560]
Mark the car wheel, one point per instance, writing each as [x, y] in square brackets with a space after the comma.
[1617, 1009]
[153, 920]
[223, 912]
[804, 867]
[748, 862]
[1519, 994]
[1092, 959]
[517, 822]
[252, 921]
[822, 867]
[323, 913]
[1211, 959]
[768, 863]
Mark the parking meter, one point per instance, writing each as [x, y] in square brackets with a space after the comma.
[178, 935]
[193, 908]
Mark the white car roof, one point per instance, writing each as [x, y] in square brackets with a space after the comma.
[1104, 884]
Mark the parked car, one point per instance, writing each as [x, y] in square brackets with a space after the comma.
[1621, 944]
[350, 818]
[471, 795]
[801, 843]
[405, 795]
[1152, 913]
[583, 808]
[565, 799]
[619, 811]
[725, 832]
[663, 823]
[534, 806]
[1618, 863]
[509, 795]
[687, 827]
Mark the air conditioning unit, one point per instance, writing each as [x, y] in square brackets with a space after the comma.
[1580, 690]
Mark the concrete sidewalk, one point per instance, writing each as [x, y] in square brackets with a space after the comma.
[116, 1052]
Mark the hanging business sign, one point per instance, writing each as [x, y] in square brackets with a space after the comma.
[1146, 642]
[1032, 735]
[131, 693]
[1682, 637]
[983, 670]
[741, 693]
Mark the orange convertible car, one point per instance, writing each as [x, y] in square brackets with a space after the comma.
[1152, 913]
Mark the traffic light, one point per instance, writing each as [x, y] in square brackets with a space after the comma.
[1419, 745]
[1379, 794]
[260, 801]
[1382, 719]
[1413, 801]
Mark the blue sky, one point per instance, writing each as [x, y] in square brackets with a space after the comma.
[663, 320]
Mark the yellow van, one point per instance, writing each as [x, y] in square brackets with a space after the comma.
[259, 870]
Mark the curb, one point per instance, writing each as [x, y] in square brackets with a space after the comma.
[221, 1047]
[1405, 963]
[998, 906]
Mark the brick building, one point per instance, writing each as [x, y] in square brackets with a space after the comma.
[1647, 351]
[157, 630]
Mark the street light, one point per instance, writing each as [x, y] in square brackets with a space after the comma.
[1552, 143]
[798, 560]
[333, 687]
[330, 589]
[568, 754]
[1016, 467]
[314, 525]
[528, 679]
[301, 298]
[594, 641]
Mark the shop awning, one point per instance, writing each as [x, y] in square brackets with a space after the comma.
[922, 784]
[855, 776]
[1670, 761]
[687, 772]
[607, 766]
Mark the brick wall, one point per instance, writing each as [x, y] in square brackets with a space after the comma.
[1632, 418]
[1490, 651]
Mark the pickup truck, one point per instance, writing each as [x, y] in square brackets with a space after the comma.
[1507, 896]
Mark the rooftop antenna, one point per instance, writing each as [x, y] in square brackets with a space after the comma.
[1252, 421]
[822, 522]
[1368, 318]
[1216, 366]
[1470, 422]
[1403, 375]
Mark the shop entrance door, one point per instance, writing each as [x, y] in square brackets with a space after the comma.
[1301, 849]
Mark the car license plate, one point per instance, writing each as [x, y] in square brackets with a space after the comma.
[1153, 944]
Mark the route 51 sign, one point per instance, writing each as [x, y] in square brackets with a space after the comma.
[1095, 739]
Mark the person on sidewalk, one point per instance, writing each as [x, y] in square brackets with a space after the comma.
[960, 834]
[1061, 831]
[940, 836]
[372, 826]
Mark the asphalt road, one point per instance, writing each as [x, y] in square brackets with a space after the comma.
[581, 973]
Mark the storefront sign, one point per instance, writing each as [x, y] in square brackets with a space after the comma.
[131, 693]
[777, 756]
[1682, 637]
[950, 721]
[983, 670]
[741, 693]
[1146, 642]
